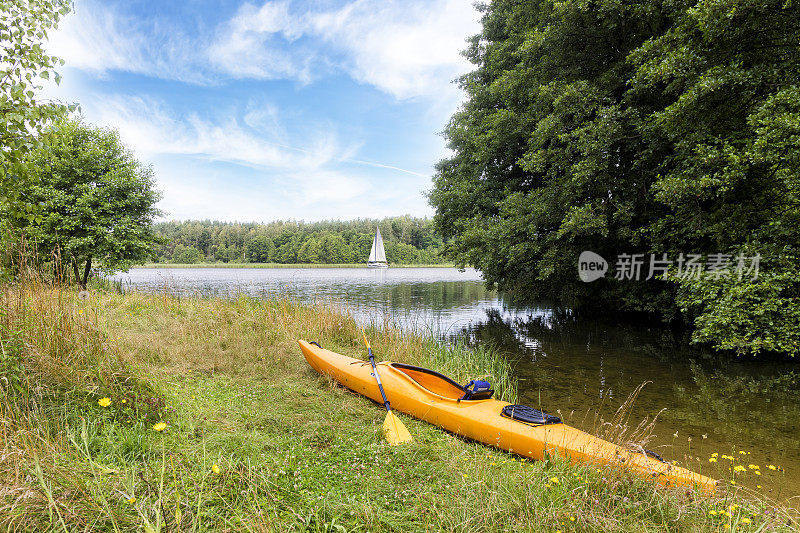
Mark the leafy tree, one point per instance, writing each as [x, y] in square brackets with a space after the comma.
[185, 254]
[333, 249]
[260, 249]
[542, 166]
[310, 251]
[98, 200]
[24, 25]
[724, 127]
[282, 241]
[632, 127]
[401, 253]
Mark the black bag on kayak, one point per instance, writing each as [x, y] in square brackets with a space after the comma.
[477, 390]
[529, 415]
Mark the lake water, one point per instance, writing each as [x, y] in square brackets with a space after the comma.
[583, 370]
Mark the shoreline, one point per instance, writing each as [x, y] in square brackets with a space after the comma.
[284, 265]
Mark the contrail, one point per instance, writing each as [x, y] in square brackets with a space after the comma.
[349, 160]
[381, 165]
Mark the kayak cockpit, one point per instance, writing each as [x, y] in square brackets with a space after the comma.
[432, 381]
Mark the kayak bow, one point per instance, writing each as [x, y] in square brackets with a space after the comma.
[437, 399]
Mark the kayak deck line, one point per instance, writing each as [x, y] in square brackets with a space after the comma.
[437, 399]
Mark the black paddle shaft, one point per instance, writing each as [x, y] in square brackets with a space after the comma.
[378, 379]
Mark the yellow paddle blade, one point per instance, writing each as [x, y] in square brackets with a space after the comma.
[366, 342]
[395, 431]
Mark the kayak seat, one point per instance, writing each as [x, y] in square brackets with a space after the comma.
[528, 415]
[432, 380]
[443, 385]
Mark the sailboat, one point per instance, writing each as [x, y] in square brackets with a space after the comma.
[377, 256]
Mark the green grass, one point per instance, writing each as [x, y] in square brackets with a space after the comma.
[257, 441]
[285, 265]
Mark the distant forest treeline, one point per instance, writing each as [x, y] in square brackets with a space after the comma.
[407, 240]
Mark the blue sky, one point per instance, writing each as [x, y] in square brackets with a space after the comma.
[273, 110]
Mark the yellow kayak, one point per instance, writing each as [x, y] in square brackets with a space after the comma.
[437, 399]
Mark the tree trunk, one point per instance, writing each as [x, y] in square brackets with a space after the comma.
[86, 270]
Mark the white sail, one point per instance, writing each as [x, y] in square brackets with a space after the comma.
[377, 255]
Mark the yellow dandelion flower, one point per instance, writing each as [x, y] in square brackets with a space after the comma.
[751, 466]
[745, 520]
[712, 513]
[131, 500]
[215, 468]
[104, 402]
[161, 426]
[554, 480]
[757, 472]
[124, 400]
[712, 459]
[727, 526]
[758, 486]
[571, 518]
[733, 507]
[80, 311]
[742, 452]
[715, 454]
[733, 482]
[772, 467]
[739, 468]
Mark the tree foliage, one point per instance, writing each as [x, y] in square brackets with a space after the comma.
[98, 201]
[407, 240]
[632, 127]
[24, 25]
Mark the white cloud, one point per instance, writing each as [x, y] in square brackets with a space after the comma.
[269, 176]
[206, 193]
[97, 39]
[203, 192]
[252, 44]
[407, 49]
[150, 129]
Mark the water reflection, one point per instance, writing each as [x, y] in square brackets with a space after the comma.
[583, 368]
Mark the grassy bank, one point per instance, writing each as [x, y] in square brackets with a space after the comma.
[254, 440]
[283, 265]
